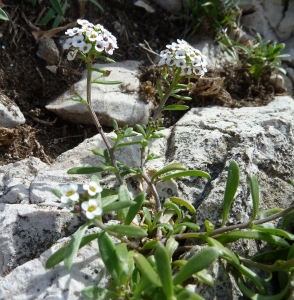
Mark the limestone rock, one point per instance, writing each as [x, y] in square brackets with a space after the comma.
[217, 57]
[11, 115]
[119, 102]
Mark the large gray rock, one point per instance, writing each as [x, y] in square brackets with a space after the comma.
[10, 114]
[260, 139]
[119, 102]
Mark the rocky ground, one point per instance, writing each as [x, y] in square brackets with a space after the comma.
[26, 79]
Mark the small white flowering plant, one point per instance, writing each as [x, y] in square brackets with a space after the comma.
[146, 263]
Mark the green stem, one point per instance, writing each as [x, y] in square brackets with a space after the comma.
[97, 123]
[167, 94]
[245, 225]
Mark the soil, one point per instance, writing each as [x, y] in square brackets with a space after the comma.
[26, 80]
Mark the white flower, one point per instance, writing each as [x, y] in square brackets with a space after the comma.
[69, 193]
[184, 56]
[86, 48]
[82, 39]
[78, 41]
[92, 208]
[72, 55]
[92, 188]
[67, 44]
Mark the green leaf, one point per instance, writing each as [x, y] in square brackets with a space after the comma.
[164, 271]
[3, 15]
[274, 231]
[159, 89]
[231, 188]
[49, 15]
[98, 152]
[123, 195]
[192, 226]
[150, 245]
[252, 295]
[171, 247]
[56, 6]
[157, 217]
[59, 18]
[141, 130]
[127, 230]
[185, 98]
[183, 203]
[269, 212]
[186, 173]
[233, 236]
[187, 295]
[58, 256]
[181, 86]
[287, 220]
[109, 256]
[176, 209]
[146, 269]
[73, 246]
[57, 193]
[272, 256]
[197, 263]
[164, 225]
[117, 205]
[125, 144]
[133, 210]
[147, 217]
[209, 227]
[176, 107]
[97, 4]
[90, 170]
[96, 292]
[115, 125]
[254, 194]
[106, 82]
[169, 168]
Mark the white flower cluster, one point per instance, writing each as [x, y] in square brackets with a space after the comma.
[70, 196]
[88, 37]
[183, 55]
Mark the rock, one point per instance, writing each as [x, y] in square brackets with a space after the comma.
[119, 102]
[286, 26]
[289, 49]
[172, 6]
[11, 115]
[259, 139]
[48, 51]
[16, 179]
[218, 58]
[57, 283]
[28, 230]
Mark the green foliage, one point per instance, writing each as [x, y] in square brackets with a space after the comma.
[260, 57]
[57, 11]
[210, 15]
[3, 15]
[147, 262]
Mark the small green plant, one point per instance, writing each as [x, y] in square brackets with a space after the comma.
[146, 264]
[260, 57]
[210, 15]
[3, 15]
[57, 11]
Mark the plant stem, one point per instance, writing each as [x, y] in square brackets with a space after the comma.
[97, 123]
[116, 235]
[167, 94]
[237, 226]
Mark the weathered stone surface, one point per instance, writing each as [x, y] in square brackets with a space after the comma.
[218, 58]
[28, 230]
[10, 114]
[172, 6]
[32, 281]
[119, 102]
[260, 139]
